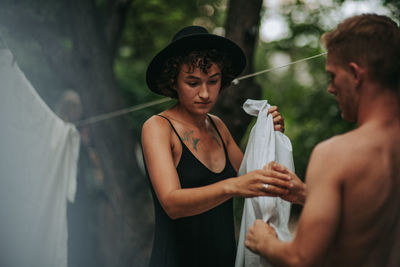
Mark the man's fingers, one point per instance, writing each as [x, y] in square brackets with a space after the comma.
[268, 190]
[270, 229]
[280, 168]
[283, 175]
[276, 190]
[269, 166]
[273, 190]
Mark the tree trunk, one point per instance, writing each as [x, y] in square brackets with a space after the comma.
[122, 220]
[242, 25]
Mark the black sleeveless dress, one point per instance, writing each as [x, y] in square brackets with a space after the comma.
[203, 240]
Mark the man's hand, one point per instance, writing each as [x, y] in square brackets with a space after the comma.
[279, 123]
[259, 236]
[297, 189]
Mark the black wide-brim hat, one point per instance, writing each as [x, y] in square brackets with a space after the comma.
[193, 38]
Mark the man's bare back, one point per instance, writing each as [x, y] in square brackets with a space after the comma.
[351, 216]
[367, 161]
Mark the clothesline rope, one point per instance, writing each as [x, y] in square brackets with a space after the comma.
[163, 100]
[120, 112]
[236, 81]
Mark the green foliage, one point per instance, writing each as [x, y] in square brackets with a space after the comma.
[311, 114]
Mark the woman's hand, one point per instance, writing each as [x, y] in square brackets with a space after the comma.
[297, 192]
[279, 124]
[265, 182]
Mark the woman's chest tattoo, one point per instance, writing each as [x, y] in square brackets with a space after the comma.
[189, 138]
[215, 137]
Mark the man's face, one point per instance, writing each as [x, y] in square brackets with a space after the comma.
[342, 86]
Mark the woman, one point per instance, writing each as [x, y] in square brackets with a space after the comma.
[191, 157]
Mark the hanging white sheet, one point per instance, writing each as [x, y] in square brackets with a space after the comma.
[264, 145]
[38, 165]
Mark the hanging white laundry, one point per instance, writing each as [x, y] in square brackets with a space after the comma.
[264, 145]
[38, 165]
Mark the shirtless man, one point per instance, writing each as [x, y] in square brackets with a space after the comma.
[351, 216]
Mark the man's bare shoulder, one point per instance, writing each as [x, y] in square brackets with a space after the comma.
[340, 154]
[338, 147]
[359, 144]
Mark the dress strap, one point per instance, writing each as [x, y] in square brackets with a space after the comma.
[215, 126]
[172, 126]
[212, 122]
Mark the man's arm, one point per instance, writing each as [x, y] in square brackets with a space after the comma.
[319, 220]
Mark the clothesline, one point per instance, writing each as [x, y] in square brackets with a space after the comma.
[120, 112]
[236, 81]
[163, 100]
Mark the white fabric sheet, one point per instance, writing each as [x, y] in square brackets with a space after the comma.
[38, 165]
[264, 145]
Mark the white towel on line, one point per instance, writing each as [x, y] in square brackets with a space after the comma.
[38, 165]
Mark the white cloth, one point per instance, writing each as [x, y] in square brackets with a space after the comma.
[38, 165]
[264, 145]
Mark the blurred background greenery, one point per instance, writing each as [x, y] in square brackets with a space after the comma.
[100, 50]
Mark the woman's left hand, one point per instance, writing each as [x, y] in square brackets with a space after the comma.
[279, 124]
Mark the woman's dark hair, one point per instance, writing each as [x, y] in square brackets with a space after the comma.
[202, 59]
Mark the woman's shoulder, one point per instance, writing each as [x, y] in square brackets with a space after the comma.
[156, 124]
[222, 128]
[217, 120]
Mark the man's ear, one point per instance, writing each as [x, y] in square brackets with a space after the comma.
[357, 71]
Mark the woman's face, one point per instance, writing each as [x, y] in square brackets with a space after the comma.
[198, 91]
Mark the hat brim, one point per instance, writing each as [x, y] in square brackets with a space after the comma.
[194, 42]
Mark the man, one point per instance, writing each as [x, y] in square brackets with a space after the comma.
[351, 216]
